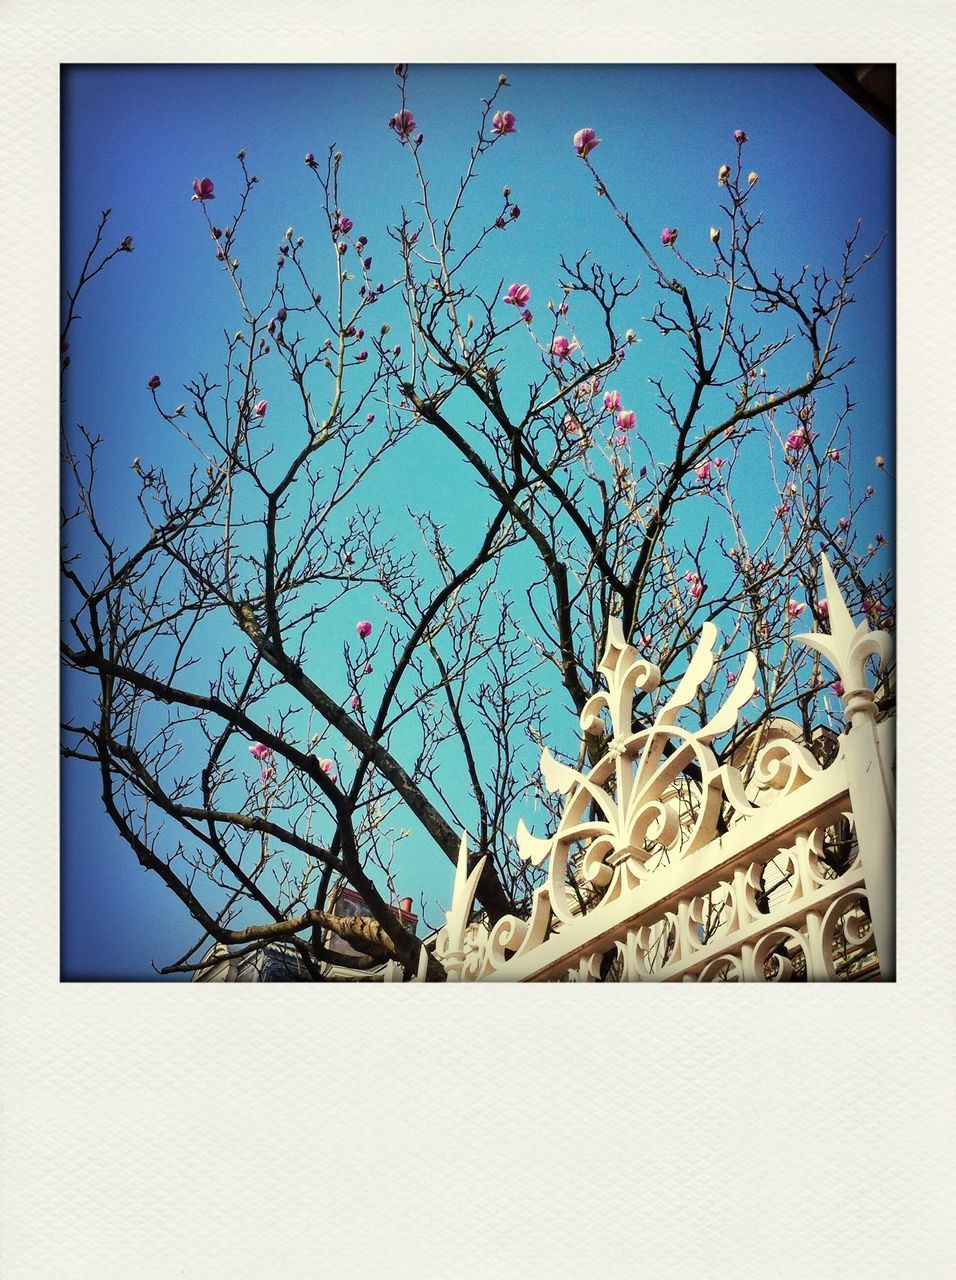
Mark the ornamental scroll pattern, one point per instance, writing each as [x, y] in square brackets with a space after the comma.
[653, 801]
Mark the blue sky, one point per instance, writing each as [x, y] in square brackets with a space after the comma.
[135, 137]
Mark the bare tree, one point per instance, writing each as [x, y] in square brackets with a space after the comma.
[206, 641]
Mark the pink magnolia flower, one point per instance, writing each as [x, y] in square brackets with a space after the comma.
[356, 702]
[837, 688]
[260, 751]
[844, 522]
[203, 189]
[870, 491]
[669, 237]
[403, 122]
[268, 773]
[343, 225]
[823, 609]
[723, 173]
[561, 348]
[260, 410]
[503, 122]
[154, 382]
[519, 295]
[696, 589]
[361, 357]
[794, 608]
[364, 629]
[572, 424]
[627, 420]
[585, 140]
[282, 315]
[310, 159]
[328, 767]
[740, 137]
[620, 440]
[834, 455]
[799, 440]
[612, 401]
[732, 677]
[880, 539]
[703, 472]
[370, 418]
[368, 668]
[527, 316]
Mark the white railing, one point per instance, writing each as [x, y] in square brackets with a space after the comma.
[659, 866]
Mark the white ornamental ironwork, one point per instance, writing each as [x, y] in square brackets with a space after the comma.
[658, 868]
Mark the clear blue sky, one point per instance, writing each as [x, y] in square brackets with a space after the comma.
[134, 138]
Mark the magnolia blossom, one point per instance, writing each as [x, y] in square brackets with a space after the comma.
[585, 140]
[328, 767]
[799, 440]
[260, 410]
[519, 295]
[343, 225]
[620, 440]
[696, 588]
[527, 316]
[310, 159]
[356, 702]
[669, 237]
[844, 522]
[154, 382]
[837, 688]
[503, 122]
[723, 173]
[368, 668]
[364, 629]
[869, 491]
[203, 189]
[260, 751]
[752, 177]
[703, 472]
[823, 609]
[268, 773]
[561, 348]
[740, 137]
[794, 608]
[572, 424]
[403, 123]
[715, 235]
[627, 420]
[834, 455]
[612, 401]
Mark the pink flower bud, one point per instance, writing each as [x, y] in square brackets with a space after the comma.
[356, 702]
[703, 472]
[740, 137]
[370, 418]
[364, 629]
[669, 237]
[268, 773]
[368, 668]
[837, 688]
[362, 356]
[282, 315]
[612, 401]
[585, 140]
[260, 751]
[310, 159]
[260, 410]
[154, 382]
